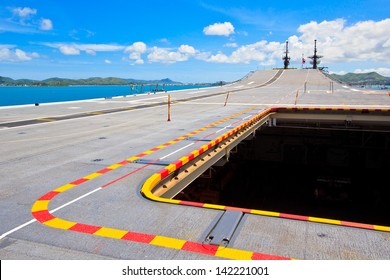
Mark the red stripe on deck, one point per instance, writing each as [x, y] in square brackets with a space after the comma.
[357, 225]
[85, 228]
[295, 217]
[105, 170]
[79, 181]
[191, 203]
[200, 248]
[259, 256]
[163, 173]
[49, 195]
[43, 216]
[138, 237]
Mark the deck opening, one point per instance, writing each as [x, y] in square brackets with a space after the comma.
[332, 166]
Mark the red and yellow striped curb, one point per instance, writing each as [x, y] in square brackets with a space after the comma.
[296, 108]
[41, 213]
[163, 173]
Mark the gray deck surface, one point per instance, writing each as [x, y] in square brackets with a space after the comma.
[38, 158]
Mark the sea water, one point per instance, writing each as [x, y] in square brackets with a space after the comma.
[22, 95]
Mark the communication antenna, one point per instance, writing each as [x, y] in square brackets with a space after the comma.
[315, 59]
[286, 58]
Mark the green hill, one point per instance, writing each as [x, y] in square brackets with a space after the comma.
[371, 78]
[89, 81]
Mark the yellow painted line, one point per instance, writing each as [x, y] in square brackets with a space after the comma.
[152, 181]
[59, 223]
[65, 188]
[171, 168]
[265, 213]
[382, 228]
[168, 242]
[324, 221]
[195, 153]
[214, 206]
[40, 205]
[132, 158]
[111, 232]
[92, 176]
[234, 254]
[114, 166]
[184, 159]
[161, 146]
[148, 152]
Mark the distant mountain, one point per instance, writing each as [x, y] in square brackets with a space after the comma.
[90, 81]
[371, 78]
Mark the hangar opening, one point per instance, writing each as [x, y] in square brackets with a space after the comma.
[314, 164]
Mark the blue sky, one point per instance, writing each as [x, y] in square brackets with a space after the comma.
[188, 40]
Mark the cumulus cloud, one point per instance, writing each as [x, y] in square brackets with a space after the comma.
[219, 29]
[165, 55]
[46, 24]
[244, 54]
[337, 42]
[135, 52]
[107, 61]
[9, 54]
[365, 40]
[186, 49]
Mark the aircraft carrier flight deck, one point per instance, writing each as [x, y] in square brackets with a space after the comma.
[282, 164]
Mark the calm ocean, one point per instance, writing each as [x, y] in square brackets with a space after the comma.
[22, 95]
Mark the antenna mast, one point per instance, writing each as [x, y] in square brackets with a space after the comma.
[315, 59]
[286, 58]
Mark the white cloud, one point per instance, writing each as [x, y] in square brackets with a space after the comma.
[244, 54]
[336, 42]
[186, 49]
[139, 47]
[24, 12]
[69, 50]
[22, 56]
[46, 24]
[135, 52]
[107, 61]
[99, 47]
[76, 49]
[219, 29]
[166, 56]
[8, 54]
[24, 20]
